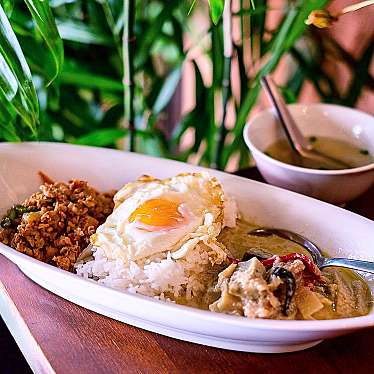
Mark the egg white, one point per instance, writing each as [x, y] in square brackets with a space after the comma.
[205, 209]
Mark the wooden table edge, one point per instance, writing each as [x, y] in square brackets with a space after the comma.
[29, 347]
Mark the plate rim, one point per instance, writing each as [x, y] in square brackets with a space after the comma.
[320, 325]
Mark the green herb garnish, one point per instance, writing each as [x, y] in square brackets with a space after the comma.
[13, 213]
[6, 222]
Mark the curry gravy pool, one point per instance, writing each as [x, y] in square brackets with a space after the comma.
[339, 293]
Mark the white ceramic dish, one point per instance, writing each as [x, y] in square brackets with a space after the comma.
[337, 231]
[342, 123]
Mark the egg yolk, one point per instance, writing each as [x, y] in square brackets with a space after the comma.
[158, 212]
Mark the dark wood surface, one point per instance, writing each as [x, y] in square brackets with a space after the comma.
[15, 362]
[56, 335]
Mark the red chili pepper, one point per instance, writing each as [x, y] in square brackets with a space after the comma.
[307, 261]
[233, 260]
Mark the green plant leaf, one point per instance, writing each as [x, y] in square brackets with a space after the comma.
[45, 22]
[193, 2]
[280, 40]
[216, 9]
[111, 22]
[57, 3]
[295, 82]
[198, 119]
[102, 137]
[181, 127]
[76, 74]
[16, 83]
[211, 134]
[146, 41]
[152, 143]
[312, 70]
[37, 57]
[288, 95]
[247, 104]
[79, 32]
[8, 6]
[290, 29]
[244, 79]
[7, 117]
[249, 11]
[257, 28]
[361, 75]
[217, 55]
[167, 90]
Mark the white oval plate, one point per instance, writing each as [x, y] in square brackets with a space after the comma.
[339, 232]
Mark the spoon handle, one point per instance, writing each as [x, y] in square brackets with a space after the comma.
[349, 263]
[295, 137]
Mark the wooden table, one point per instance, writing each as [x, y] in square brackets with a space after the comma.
[56, 335]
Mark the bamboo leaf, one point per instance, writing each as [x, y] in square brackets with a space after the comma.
[295, 82]
[79, 32]
[37, 57]
[198, 119]
[7, 117]
[211, 130]
[112, 25]
[313, 71]
[185, 123]
[250, 11]
[16, 86]
[244, 156]
[279, 41]
[203, 119]
[8, 6]
[191, 7]
[247, 105]
[216, 10]
[90, 80]
[242, 71]
[57, 3]
[102, 137]
[45, 22]
[152, 143]
[217, 55]
[147, 40]
[289, 31]
[288, 95]
[128, 47]
[76, 74]
[257, 28]
[167, 90]
[361, 75]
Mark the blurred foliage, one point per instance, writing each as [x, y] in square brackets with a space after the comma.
[80, 99]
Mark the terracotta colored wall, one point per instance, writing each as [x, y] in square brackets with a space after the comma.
[353, 32]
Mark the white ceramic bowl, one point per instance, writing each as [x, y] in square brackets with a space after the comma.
[339, 232]
[334, 186]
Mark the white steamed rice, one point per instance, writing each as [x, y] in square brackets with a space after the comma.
[159, 276]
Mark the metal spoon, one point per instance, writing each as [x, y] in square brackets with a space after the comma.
[320, 261]
[302, 148]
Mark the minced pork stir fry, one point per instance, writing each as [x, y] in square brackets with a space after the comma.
[55, 224]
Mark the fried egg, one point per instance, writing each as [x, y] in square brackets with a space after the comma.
[174, 215]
